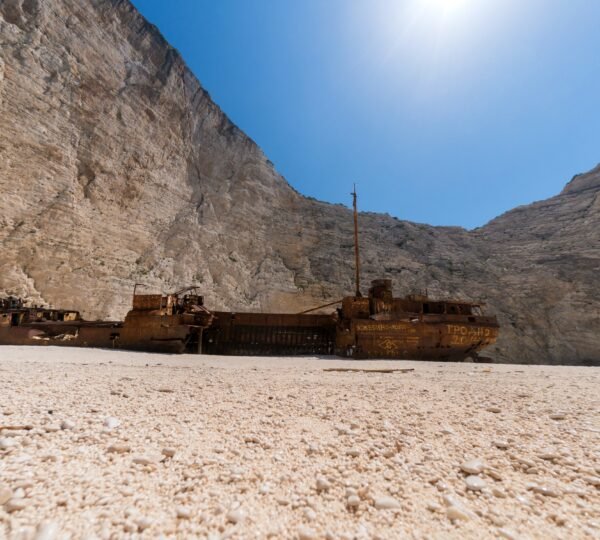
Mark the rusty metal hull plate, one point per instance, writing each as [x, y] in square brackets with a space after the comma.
[415, 340]
[269, 334]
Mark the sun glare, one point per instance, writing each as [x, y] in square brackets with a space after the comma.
[446, 6]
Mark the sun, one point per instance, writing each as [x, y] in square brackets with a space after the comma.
[451, 4]
[447, 7]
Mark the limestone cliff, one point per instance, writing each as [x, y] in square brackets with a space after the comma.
[117, 168]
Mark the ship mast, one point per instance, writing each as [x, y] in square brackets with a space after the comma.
[356, 254]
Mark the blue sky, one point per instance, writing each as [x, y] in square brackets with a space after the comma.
[448, 112]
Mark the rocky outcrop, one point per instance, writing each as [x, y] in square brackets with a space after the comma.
[117, 168]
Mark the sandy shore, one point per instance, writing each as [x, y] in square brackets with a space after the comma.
[141, 445]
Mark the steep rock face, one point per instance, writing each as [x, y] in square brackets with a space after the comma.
[117, 168]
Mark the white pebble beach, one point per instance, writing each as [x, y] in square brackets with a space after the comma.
[113, 444]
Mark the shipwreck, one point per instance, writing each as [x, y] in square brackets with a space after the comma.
[378, 325]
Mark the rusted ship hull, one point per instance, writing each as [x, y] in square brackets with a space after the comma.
[99, 335]
[377, 326]
[419, 340]
[156, 323]
[287, 334]
[269, 334]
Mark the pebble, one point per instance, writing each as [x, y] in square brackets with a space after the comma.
[544, 490]
[494, 409]
[353, 501]
[353, 452]
[574, 490]
[593, 480]
[474, 466]
[508, 534]
[47, 530]
[5, 494]
[475, 483]
[548, 455]
[143, 523]
[183, 512]
[449, 500]
[168, 452]
[456, 513]
[111, 422]
[67, 424]
[501, 444]
[306, 533]
[498, 492]
[15, 504]
[235, 516]
[493, 473]
[310, 514]
[385, 503]
[323, 484]
[433, 507]
[7, 444]
[51, 428]
[144, 460]
[499, 521]
[118, 449]
[558, 416]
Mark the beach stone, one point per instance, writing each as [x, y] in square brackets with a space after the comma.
[353, 501]
[15, 504]
[235, 516]
[168, 452]
[7, 444]
[67, 424]
[501, 444]
[548, 455]
[493, 473]
[385, 503]
[306, 533]
[144, 460]
[111, 422]
[309, 514]
[456, 513]
[475, 483]
[508, 534]
[544, 490]
[498, 492]
[5, 494]
[323, 484]
[449, 500]
[593, 480]
[499, 521]
[493, 409]
[143, 523]
[558, 415]
[474, 466]
[47, 530]
[118, 448]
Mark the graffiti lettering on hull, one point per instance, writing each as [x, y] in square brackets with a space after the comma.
[380, 327]
[468, 331]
